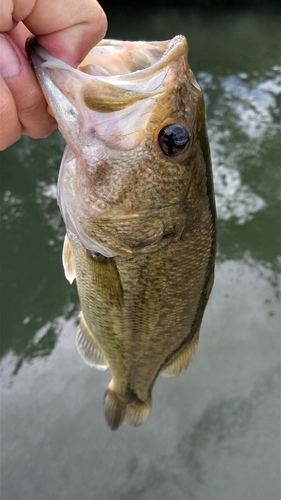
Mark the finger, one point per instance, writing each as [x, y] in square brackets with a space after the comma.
[28, 99]
[20, 34]
[67, 29]
[78, 27]
[7, 22]
[10, 125]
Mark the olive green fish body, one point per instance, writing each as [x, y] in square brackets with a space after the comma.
[136, 194]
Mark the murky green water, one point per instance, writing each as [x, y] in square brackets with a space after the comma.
[213, 433]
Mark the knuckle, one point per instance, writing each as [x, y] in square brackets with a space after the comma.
[9, 139]
[6, 107]
[37, 122]
[30, 101]
[44, 131]
[10, 126]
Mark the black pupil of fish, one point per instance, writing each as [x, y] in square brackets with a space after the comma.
[173, 139]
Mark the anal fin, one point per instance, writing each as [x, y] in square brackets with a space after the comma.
[182, 359]
[88, 348]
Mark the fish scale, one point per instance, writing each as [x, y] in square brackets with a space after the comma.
[138, 203]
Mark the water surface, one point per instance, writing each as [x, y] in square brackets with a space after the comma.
[213, 433]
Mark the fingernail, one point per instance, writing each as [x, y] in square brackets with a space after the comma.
[9, 61]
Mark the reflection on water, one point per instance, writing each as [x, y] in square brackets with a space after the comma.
[242, 148]
[46, 197]
[212, 433]
[214, 425]
[12, 207]
[223, 426]
[248, 104]
[39, 341]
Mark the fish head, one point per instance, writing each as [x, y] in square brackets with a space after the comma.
[132, 114]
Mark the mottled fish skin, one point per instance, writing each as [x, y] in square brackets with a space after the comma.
[140, 215]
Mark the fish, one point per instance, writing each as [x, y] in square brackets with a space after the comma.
[135, 191]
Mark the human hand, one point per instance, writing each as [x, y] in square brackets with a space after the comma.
[67, 29]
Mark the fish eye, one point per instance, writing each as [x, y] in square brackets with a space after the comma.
[173, 139]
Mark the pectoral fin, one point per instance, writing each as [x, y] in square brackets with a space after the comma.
[181, 361]
[106, 279]
[67, 260]
[88, 347]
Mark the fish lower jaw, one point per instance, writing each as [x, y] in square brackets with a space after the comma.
[119, 411]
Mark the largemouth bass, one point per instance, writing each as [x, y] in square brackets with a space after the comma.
[136, 194]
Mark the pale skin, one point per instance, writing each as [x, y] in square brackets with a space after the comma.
[67, 29]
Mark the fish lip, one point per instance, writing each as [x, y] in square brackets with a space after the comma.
[175, 48]
[36, 53]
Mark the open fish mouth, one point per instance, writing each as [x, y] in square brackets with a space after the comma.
[114, 76]
[120, 58]
[116, 62]
[135, 68]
